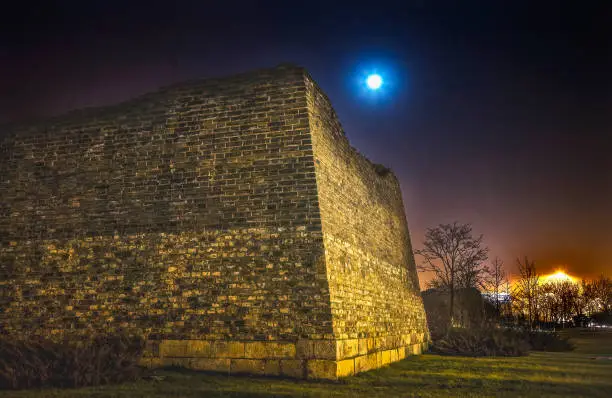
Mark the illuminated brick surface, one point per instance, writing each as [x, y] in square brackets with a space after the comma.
[228, 220]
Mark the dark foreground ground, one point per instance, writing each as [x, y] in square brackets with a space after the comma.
[585, 372]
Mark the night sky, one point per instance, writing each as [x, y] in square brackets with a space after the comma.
[499, 115]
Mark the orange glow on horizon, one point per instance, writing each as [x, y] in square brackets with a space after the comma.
[558, 276]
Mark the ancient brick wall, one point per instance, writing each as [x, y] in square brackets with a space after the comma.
[374, 290]
[204, 217]
[191, 212]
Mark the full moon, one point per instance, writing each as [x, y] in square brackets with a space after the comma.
[374, 82]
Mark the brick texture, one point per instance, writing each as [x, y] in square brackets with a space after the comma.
[228, 220]
[374, 288]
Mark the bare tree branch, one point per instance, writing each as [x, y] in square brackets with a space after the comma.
[495, 279]
[526, 289]
[454, 257]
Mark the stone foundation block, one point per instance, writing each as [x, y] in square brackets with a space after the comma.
[371, 345]
[200, 349]
[261, 350]
[151, 349]
[363, 346]
[293, 368]
[173, 348]
[394, 355]
[313, 359]
[178, 362]
[248, 366]
[366, 362]
[347, 348]
[151, 363]
[325, 349]
[304, 349]
[322, 369]
[228, 349]
[272, 367]
[330, 370]
[211, 364]
[385, 357]
[345, 368]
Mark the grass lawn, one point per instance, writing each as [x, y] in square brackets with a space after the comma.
[576, 373]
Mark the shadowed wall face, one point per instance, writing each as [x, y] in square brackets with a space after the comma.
[194, 216]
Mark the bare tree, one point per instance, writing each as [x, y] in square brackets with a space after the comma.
[558, 301]
[452, 254]
[526, 289]
[584, 300]
[472, 274]
[548, 302]
[597, 295]
[604, 292]
[567, 293]
[507, 307]
[495, 280]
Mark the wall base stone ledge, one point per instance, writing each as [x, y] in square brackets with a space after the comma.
[288, 359]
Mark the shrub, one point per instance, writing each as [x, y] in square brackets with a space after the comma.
[547, 341]
[44, 363]
[498, 342]
[481, 343]
[602, 318]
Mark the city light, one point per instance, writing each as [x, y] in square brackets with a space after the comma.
[558, 276]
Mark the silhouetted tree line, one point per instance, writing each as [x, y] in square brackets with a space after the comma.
[551, 303]
[467, 292]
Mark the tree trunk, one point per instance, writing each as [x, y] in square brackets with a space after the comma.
[452, 303]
